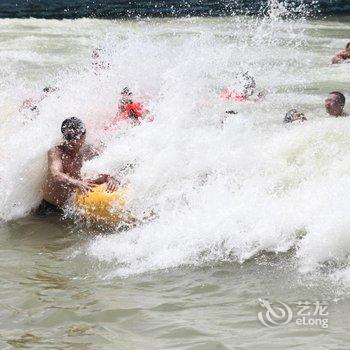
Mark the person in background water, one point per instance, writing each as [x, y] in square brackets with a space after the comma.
[342, 56]
[97, 62]
[64, 166]
[129, 110]
[249, 88]
[294, 115]
[335, 103]
[31, 104]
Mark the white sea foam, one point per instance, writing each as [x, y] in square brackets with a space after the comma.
[221, 191]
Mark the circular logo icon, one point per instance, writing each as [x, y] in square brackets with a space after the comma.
[278, 314]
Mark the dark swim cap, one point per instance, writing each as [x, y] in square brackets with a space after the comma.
[73, 129]
[126, 91]
[293, 115]
[49, 89]
[249, 81]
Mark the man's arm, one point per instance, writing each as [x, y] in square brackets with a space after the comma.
[336, 59]
[56, 170]
[112, 184]
[29, 103]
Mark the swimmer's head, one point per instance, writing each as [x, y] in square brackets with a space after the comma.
[249, 84]
[73, 131]
[126, 92]
[49, 89]
[347, 47]
[96, 53]
[126, 95]
[335, 103]
[294, 115]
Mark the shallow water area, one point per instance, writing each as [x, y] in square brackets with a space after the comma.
[53, 298]
[247, 208]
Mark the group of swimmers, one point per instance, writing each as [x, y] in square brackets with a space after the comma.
[65, 160]
[334, 103]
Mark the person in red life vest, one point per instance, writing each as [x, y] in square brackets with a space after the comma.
[230, 94]
[342, 56]
[244, 94]
[97, 62]
[129, 110]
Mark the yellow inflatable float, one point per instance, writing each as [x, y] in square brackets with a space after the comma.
[101, 206]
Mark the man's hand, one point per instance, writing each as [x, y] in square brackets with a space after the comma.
[84, 186]
[112, 184]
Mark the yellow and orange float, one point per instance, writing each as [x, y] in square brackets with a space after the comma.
[101, 206]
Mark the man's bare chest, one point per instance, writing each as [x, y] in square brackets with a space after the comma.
[72, 164]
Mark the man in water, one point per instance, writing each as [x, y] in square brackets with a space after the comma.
[132, 110]
[125, 99]
[64, 165]
[335, 104]
[342, 56]
[128, 110]
[294, 115]
[248, 88]
[31, 104]
[97, 62]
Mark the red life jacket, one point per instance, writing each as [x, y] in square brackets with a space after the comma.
[134, 108]
[131, 110]
[232, 95]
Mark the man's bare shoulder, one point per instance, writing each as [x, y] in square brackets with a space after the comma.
[89, 151]
[55, 151]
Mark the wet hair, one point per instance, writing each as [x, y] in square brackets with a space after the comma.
[73, 129]
[96, 51]
[126, 91]
[288, 118]
[347, 45]
[249, 83]
[49, 89]
[249, 79]
[340, 97]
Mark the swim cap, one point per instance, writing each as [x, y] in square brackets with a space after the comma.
[249, 84]
[293, 115]
[73, 129]
[126, 91]
[49, 89]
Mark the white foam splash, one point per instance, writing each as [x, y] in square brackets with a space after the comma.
[222, 192]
